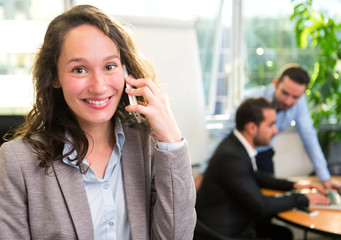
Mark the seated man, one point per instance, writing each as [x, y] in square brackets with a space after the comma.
[287, 93]
[230, 200]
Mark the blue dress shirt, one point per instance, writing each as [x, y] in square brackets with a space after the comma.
[106, 196]
[303, 123]
[299, 113]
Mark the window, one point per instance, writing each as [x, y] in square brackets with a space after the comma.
[242, 43]
[270, 38]
[22, 25]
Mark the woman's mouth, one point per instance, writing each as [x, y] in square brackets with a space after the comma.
[97, 102]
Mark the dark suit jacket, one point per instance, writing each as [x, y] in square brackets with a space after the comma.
[230, 198]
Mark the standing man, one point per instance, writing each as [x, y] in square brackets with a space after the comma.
[287, 94]
[230, 200]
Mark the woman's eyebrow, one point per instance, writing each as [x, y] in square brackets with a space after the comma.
[111, 57]
[79, 59]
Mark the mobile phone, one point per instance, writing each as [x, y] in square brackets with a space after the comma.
[307, 211]
[132, 99]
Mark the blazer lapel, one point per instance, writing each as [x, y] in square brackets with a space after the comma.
[134, 177]
[242, 151]
[72, 186]
[239, 144]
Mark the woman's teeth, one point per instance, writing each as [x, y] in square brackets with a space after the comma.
[97, 102]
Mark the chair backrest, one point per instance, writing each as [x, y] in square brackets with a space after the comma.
[204, 232]
[8, 122]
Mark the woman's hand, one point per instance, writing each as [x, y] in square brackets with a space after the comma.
[157, 109]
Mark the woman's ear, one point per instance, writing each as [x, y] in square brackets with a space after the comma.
[55, 83]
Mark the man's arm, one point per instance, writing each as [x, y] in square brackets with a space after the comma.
[307, 132]
[240, 183]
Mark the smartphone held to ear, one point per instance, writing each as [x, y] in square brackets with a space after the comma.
[132, 99]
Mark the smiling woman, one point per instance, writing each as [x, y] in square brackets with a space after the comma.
[79, 163]
[91, 78]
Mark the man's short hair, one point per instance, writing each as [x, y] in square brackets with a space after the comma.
[295, 72]
[251, 110]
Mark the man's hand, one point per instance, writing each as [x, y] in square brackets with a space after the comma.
[317, 198]
[313, 191]
[332, 184]
[300, 185]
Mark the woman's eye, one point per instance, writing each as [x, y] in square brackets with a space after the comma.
[78, 70]
[110, 67]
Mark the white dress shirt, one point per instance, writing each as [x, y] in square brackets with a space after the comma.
[252, 152]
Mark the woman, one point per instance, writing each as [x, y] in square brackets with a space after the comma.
[81, 167]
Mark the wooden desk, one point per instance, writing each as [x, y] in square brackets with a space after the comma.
[327, 222]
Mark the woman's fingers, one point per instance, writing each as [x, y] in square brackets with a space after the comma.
[157, 109]
[143, 82]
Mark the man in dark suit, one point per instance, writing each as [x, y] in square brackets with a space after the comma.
[230, 200]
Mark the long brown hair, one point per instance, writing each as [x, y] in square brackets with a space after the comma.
[50, 119]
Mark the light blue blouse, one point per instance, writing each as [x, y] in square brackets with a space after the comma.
[106, 196]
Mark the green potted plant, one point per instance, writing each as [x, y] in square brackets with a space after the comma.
[315, 30]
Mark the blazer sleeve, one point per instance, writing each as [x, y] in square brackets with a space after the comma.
[267, 181]
[13, 196]
[240, 182]
[173, 195]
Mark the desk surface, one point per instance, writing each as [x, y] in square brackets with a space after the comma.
[327, 222]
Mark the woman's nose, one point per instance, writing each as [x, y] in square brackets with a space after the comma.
[97, 84]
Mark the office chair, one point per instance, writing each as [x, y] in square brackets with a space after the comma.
[8, 122]
[204, 232]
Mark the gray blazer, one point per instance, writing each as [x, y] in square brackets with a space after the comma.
[158, 185]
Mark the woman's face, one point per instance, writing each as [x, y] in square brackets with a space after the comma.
[90, 75]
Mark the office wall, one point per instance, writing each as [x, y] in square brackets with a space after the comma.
[171, 45]
[290, 158]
